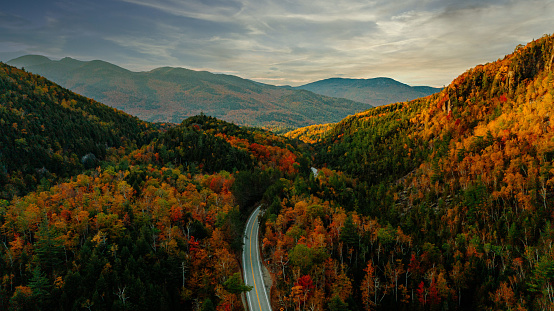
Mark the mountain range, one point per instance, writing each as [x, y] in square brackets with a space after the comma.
[170, 94]
[376, 91]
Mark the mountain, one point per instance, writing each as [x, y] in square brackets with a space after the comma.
[29, 60]
[49, 132]
[376, 92]
[172, 94]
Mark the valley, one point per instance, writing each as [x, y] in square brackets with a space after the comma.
[443, 202]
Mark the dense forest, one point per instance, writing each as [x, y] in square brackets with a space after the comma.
[49, 133]
[310, 134]
[440, 203]
[157, 227]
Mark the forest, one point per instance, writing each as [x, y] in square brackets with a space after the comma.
[440, 203]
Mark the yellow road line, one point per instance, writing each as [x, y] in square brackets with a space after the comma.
[252, 265]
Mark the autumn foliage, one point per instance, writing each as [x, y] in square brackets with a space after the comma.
[441, 203]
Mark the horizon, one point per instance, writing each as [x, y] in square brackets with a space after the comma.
[420, 44]
[216, 73]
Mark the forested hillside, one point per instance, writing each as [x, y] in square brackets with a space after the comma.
[441, 203]
[49, 132]
[311, 134]
[170, 94]
[127, 215]
[154, 228]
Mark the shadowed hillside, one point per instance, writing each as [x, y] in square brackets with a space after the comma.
[172, 94]
[49, 132]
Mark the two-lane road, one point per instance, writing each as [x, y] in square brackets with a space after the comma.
[258, 298]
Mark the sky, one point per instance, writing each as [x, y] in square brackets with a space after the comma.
[279, 42]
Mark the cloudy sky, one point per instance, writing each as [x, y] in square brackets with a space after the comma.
[419, 42]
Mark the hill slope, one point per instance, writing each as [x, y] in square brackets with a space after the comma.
[158, 228]
[310, 134]
[376, 92]
[172, 94]
[47, 130]
[455, 191]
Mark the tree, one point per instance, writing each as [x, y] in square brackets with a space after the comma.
[422, 293]
[48, 248]
[368, 287]
[22, 299]
[342, 285]
[349, 232]
[303, 289]
[459, 277]
[248, 188]
[302, 256]
[235, 285]
[40, 287]
[434, 297]
[337, 304]
[542, 280]
[208, 305]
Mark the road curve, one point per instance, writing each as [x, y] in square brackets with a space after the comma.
[258, 298]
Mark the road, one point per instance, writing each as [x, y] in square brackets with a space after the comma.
[258, 298]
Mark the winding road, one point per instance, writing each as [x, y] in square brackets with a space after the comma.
[258, 298]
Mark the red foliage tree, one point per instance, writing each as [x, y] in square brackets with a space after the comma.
[434, 297]
[421, 293]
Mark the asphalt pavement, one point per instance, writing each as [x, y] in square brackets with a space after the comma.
[258, 297]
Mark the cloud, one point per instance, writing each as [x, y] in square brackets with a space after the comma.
[212, 10]
[424, 42]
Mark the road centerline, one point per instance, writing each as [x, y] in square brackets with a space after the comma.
[250, 275]
[252, 263]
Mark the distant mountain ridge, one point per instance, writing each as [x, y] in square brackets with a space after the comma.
[170, 94]
[376, 91]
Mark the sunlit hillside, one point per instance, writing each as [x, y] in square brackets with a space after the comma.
[441, 203]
